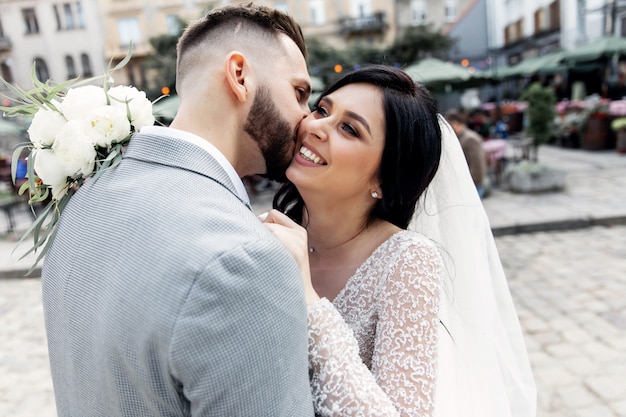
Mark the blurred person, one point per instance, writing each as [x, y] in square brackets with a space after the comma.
[472, 145]
[163, 293]
[402, 322]
[479, 122]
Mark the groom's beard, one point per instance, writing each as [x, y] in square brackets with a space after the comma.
[272, 133]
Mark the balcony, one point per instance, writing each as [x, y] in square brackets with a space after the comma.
[374, 23]
[5, 43]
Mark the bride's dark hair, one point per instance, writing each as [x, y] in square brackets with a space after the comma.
[412, 145]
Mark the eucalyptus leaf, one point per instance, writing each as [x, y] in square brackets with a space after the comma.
[30, 173]
[126, 59]
[36, 225]
[23, 188]
[15, 158]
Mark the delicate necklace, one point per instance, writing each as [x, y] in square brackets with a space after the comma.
[312, 249]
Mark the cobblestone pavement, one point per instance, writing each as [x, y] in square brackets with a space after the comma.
[569, 288]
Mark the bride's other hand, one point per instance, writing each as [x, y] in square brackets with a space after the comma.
[294, 238]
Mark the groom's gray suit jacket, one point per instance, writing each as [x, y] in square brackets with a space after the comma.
[164, 295]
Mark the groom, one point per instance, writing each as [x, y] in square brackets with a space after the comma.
[163, 293]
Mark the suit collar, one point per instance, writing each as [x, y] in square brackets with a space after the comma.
[170, 151]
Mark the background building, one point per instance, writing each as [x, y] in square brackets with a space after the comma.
[80, 37]
[63, 40]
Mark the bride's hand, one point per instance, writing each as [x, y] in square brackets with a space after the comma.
[294, 238]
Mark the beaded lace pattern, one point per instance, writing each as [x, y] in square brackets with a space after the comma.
[373, 351]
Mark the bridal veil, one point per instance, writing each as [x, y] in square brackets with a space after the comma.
[483, 366]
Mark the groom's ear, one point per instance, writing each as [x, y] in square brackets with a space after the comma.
[237, 69]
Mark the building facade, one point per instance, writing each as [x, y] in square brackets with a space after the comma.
[63, 40]
[135, 22]
[68, 38]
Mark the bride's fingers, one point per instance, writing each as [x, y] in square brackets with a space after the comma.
[275, 216]
[290, 233]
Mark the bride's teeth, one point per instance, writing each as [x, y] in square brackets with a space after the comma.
[307, 154]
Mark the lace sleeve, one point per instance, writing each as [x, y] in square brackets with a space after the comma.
[404, 362]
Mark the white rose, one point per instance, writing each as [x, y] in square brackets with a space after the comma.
[80, 101]
[50, 170]
[44, 127]
[139, 106]
[75, 148]
[108, 124]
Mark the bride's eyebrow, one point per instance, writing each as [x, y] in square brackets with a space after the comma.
[352, 115]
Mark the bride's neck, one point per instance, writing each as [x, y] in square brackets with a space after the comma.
[333, 231]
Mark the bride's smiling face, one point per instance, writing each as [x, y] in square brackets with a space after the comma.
[340, 144]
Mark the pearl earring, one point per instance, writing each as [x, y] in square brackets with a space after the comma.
[374, 194]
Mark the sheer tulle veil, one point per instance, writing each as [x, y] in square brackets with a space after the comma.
[483, 366]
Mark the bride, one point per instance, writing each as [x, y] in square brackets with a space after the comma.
[402, 322]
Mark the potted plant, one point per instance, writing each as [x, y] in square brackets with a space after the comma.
[595, 128]
[619, 127]
[540, 115]
[530, 175]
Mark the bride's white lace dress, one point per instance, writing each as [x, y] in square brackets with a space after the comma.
[373, 351]
[380, 349]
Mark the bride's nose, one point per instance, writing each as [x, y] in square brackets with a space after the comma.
[316, 127]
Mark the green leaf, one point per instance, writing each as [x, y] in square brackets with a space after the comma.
[126, 59]
[35, 226]
[17, 153]
[23, 188]
[30, 173]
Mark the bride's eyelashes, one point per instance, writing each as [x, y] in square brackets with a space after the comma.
[347, 127]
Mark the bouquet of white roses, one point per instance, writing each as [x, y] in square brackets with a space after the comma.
[78, 130]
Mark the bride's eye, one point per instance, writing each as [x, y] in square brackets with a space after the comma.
[320, 110]
[350, 129]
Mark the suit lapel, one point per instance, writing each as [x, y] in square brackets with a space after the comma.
[178, 153]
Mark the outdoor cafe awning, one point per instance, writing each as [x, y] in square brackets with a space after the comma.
[604, 47]
[581, 58]
[439, 75]
[545, 64]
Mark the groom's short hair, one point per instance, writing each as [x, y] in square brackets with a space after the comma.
[245, 24]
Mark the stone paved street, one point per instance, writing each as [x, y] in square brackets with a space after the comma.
[570, 292]
[25, 384]
[569, 288]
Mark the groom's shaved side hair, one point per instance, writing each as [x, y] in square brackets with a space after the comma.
[242, 26]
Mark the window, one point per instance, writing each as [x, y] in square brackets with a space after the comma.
[450, 11]
[360, 8]
[514, 32]
[541, 21]
[57, 16]
[519, 29]
[84, 61]
[173, 24]
[69, 16]
[555, 15]
[71, 69]
[129, 31]
[41, 70]
[582, 21]
[30, 19]
[80, 15]
[318, 13]
[418, 12]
